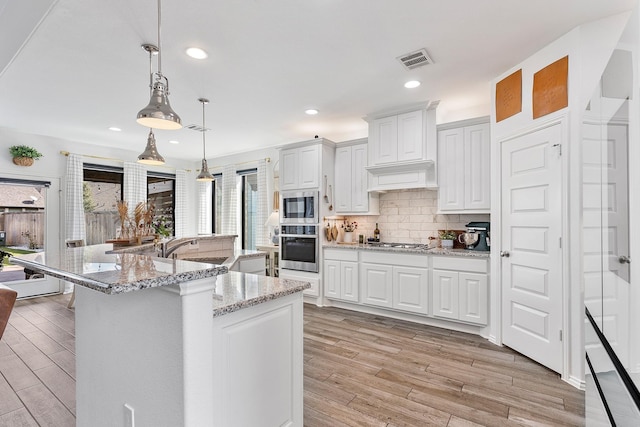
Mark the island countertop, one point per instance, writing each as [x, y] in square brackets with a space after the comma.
[98, 268]
[235, 291]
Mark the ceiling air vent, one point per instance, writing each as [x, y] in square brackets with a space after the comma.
[197, 128]
[415, 59]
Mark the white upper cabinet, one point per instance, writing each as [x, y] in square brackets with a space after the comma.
[299, 167]
[397, 138]
[351, 180]
[403, 148]
[383, 134]
[464, 173]
[411, 139]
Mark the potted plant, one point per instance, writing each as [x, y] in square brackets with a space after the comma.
[349, 228]
[4, 255]
[24, 155]
[446, 238]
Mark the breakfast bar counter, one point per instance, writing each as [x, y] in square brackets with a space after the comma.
[169, 342]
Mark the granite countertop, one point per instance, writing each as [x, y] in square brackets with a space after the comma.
[231, 261]
[235, 291]
[420, 250]
[97, 267]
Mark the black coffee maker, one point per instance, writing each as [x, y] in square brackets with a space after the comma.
[482, 230]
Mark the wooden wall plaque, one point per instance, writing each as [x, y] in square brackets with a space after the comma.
[509, 96]
[550, 88]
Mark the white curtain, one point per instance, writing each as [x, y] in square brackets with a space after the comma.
[205, 206]
[182, 204]
[230, 202]
[262, 209]
[135, 185]
[75, 208]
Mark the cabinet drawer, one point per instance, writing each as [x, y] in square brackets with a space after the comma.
[341, 254]
[397, 258]
[474, 265]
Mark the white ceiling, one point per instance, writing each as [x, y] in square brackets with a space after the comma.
[72, 68]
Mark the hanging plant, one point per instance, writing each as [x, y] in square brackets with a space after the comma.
[24, 155]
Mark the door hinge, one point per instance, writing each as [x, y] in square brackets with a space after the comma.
[560, 242]
[560, 334]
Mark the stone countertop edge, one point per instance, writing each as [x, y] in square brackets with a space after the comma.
[243, 254]
[433, 251]
[269, 288]
[113, 289]
[131, 249]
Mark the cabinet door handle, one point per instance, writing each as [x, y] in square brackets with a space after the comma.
[623, 259]
[504, 254]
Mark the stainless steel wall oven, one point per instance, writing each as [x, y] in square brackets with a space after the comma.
[299, 247]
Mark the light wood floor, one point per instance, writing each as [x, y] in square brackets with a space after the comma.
[360, 370]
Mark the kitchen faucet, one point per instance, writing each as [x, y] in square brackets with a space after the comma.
[165, 253]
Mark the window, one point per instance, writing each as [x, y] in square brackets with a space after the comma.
[161, 193]
[249, 207]
[102, 189]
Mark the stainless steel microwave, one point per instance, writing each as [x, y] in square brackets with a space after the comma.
[299, 207]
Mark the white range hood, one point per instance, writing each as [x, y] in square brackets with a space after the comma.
[403, 148]
[402, 175]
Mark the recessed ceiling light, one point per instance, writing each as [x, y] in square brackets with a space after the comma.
[412, 84]
[173, 141]
[311, 111]
[115, 129]
[196, 53]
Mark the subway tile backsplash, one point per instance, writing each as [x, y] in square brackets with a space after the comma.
[410, 216]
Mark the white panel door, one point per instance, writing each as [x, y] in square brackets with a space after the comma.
[309, 166]
[410, 136]
[384, 136]
[445, 294]
[343, 184]
[289, 163]
[451, 170]
[376, 284]
[473, 297]
[331, 278]
[477, 161]
[349, 281]
[359, 195]
[410, 289]
[531, 229]
[606, 231]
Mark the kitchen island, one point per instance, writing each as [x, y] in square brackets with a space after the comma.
[168, 342]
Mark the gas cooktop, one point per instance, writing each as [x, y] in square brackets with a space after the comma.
[399, 245]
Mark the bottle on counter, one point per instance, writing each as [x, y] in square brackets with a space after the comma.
[376, 233]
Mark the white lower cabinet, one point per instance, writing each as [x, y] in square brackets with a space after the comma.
[377, 284]
[403, 285]
[341, 280]
[459, 294]
[457, 288]
[340, 274]
[410, 289]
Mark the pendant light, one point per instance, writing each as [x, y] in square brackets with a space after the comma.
[150, 156]
[159, 114]
[204, 174]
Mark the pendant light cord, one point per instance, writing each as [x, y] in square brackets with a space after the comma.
[159, 43]
[204, 129]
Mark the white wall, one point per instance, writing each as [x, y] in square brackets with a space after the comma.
[589, 48]
[53, 165]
